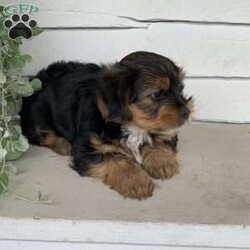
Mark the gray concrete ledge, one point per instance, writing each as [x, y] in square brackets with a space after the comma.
[213, 186]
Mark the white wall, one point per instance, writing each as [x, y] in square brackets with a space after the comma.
[209, 38]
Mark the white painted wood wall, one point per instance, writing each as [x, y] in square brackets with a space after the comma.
[209, 38]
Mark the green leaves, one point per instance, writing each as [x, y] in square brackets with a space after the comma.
[2, 77]
[18, 62]
[36, 84]
[24, 90]
[13, 155]
[13, 86]
[23, 87]
[4, 182]
[3, 153]
[22, 144]
[15, 148]
[27, 58]
[36, 31]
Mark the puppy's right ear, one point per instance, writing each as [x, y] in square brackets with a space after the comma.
[115, 92]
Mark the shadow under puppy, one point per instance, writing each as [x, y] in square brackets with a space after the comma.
[119, 122]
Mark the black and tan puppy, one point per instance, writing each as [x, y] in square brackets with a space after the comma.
[118, 122]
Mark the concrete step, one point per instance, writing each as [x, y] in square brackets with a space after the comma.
[206, 205]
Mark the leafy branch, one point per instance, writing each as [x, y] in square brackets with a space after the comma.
[13, 86]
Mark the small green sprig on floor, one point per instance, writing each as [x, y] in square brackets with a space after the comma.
[38, 201]
[13, 86]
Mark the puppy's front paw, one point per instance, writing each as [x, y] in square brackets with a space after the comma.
[124, 176]
[136, 185]
[160, 163]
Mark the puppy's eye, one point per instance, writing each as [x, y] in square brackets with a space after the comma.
[158, 95]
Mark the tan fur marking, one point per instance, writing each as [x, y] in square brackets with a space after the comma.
[124, 176]
[163, 82]
[159, 161]
[155, 83]
[166, 118]
[106, 148]
[55, 143]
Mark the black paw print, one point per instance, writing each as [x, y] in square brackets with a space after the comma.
[20, 26]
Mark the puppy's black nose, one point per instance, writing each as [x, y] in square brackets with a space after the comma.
[184, 112]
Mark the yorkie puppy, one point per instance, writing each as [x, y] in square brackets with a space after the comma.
[118, 122]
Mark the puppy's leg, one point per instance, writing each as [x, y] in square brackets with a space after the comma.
[159, 161]
[117, 170]
[57, 144]
[124, 176]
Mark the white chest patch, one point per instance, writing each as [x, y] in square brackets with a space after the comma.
[136, 137]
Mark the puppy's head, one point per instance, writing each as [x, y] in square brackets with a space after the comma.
[146, 90]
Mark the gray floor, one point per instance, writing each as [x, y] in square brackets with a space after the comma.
[213, 186]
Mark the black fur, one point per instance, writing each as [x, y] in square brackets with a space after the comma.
[66, 106]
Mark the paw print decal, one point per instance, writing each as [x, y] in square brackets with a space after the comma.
[20, 26]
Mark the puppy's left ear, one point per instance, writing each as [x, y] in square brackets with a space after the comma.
[115, 93]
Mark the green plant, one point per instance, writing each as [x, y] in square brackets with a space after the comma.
[13, 86]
